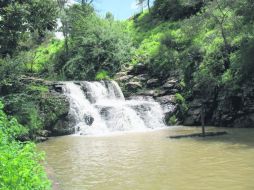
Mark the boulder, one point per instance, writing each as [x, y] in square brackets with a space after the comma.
[193, 117]
[133, 86]
[43, 133]
[153, 83]
[166, 99]
[189, 121]
[88, 119]
[170, 83]
[154, 93]
[124, 78]
[120, 74]
[40, 139]
[142, 77]
[57, 88]
[138, 69]
[147, 93]
[246, 121]
[63, 127]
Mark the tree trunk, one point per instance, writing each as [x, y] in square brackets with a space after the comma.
[203, 119]
[226, 48]
[66, 46]
[148, 5]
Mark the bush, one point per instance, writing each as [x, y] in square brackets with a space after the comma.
[95, 44]
[102, 75]
[19, 162]
[26, 110]
[245, 59]
[172, 120]
[176, 9]
[182, 106]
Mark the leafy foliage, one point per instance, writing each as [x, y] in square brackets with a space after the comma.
[19, 162]
[176, 9]
[95, 44]
[20, 19]
[207, 43]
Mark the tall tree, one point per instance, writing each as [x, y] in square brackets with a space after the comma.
[96, 44]
[220, 11]
[140, 3]
[87, 2]
[19, 18]
[148, 5]
[42, 16]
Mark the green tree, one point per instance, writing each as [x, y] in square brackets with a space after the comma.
[220, 11]
[95, 44]
[86, 2]
[19, 19]
[42, 16]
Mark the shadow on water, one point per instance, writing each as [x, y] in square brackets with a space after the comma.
[234, 136]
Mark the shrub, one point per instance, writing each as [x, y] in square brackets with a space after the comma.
[176, 9]
[102, 75]
[172, 120]
[26, 110]
[19, 162]
[245, 59]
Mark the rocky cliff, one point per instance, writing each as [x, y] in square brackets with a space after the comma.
[224, 106]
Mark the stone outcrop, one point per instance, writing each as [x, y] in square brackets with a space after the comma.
[136, 81]
[225, 108]
[34, 101]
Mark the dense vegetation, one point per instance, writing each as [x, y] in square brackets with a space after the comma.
[208, 42]
[19, 162]
[94, 47]
[204, 43]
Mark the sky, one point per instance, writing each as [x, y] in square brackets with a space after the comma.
[121, 9]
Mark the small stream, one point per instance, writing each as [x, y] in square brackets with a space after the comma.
[151, 161]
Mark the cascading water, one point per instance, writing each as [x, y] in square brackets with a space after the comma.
[99, 108]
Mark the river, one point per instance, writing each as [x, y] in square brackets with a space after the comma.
[152, 161]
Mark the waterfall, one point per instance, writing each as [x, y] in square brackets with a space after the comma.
[99, 108]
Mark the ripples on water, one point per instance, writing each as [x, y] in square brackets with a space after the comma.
[151, 161]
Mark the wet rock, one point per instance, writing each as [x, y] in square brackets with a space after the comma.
[193, 117]
[124, 78]
[166, 99]
[88, 119]
[170, 83]
[58, 88]
[154, 93]
[189, 121]
[246, 121]
[44, 133]
[140, 68]
[142, 77]
[120, 74]
[105, 112]
[147, 93]
[63, 127]
[40, 139]
[134, 86]
[168, 105]
[24, 138]
[153, 83]
[141, 98]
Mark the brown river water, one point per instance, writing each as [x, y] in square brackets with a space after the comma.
[152, 161]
